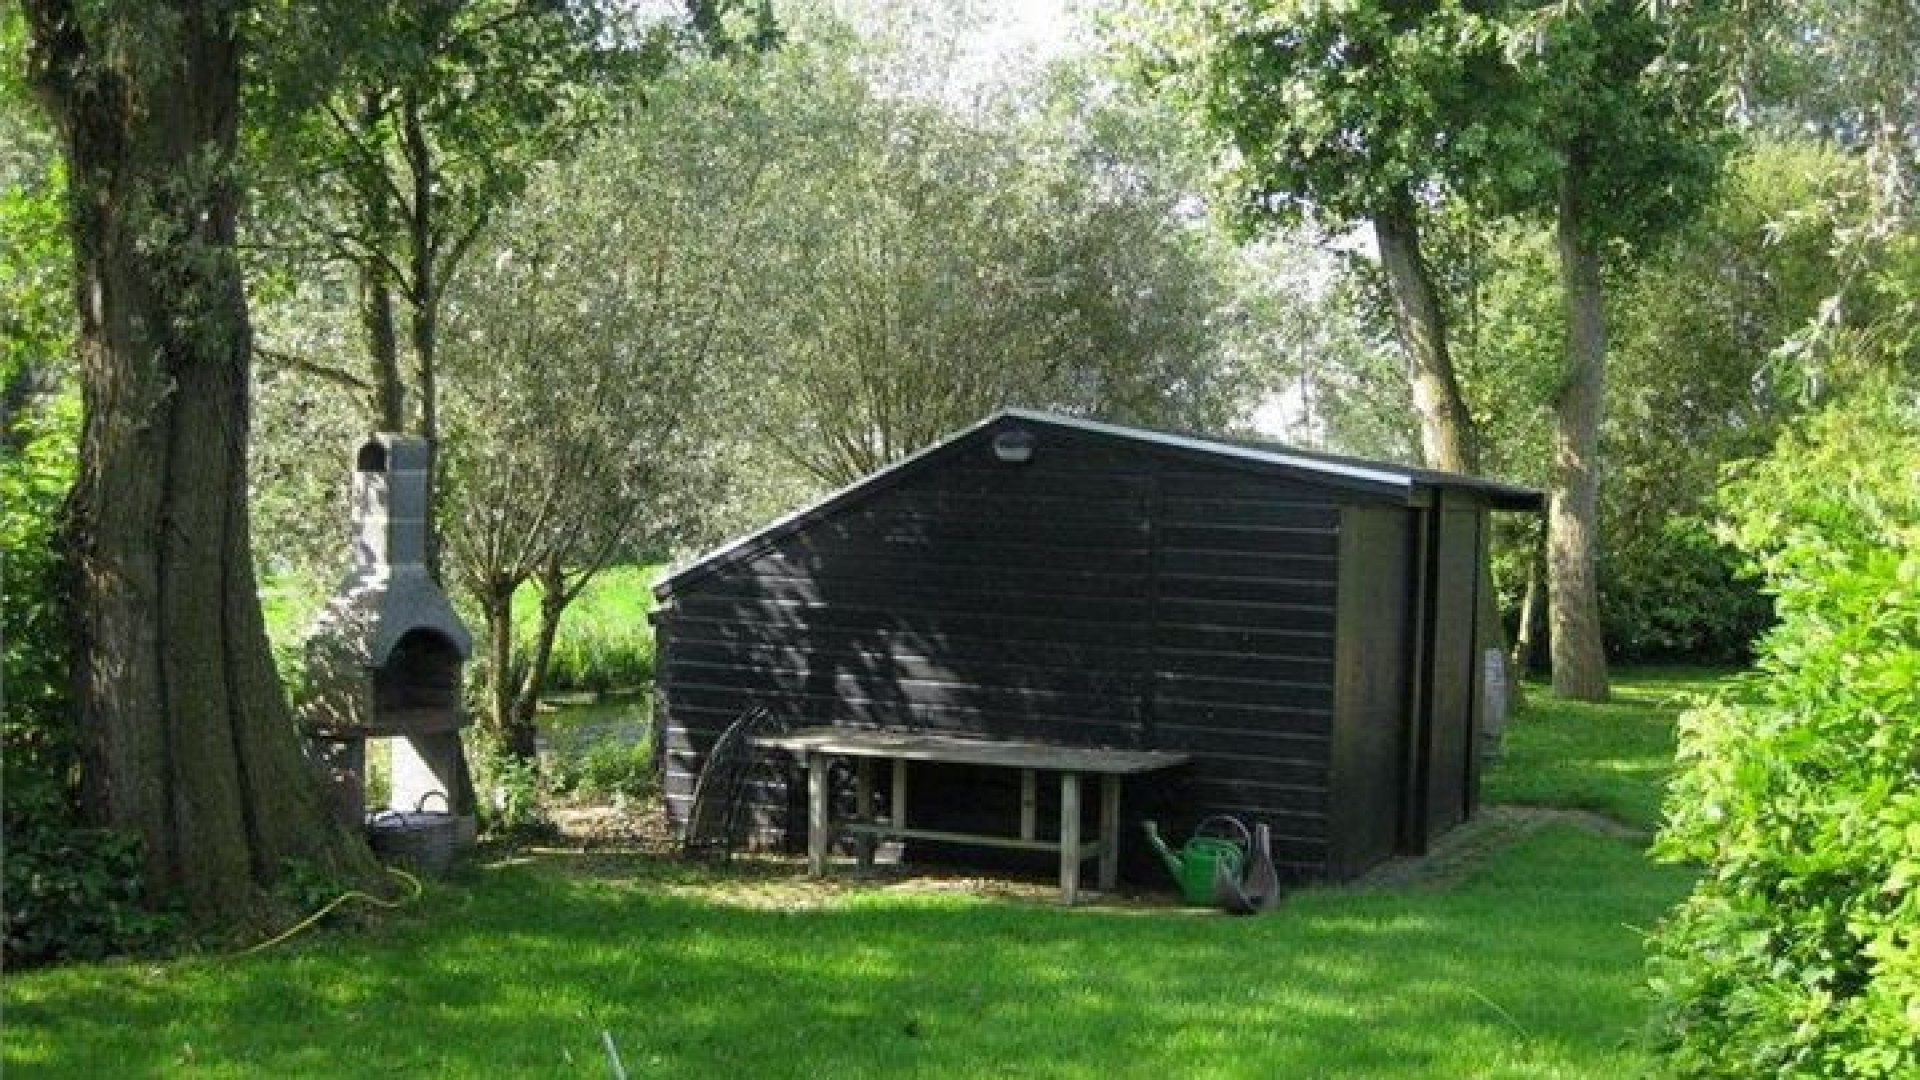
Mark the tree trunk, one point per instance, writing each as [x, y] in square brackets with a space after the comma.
[1573, 602]
[1447, 436]
[554, 598]
[189, 741]
[376, 318]
[1526, 644]
[496, 604]
[376, 302]
[423, 243]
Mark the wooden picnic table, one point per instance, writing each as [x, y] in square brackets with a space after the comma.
[821, 744]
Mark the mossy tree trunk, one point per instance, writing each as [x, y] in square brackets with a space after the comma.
[190, 744]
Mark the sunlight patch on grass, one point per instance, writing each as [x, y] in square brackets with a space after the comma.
[1613, 759]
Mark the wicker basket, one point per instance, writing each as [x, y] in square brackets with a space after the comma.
[424, 839]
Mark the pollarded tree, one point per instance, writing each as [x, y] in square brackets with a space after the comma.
[189, 742]
[428, 122]
[920, 268]
[580, 356]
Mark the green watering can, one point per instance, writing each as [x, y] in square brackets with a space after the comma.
[1217, 844]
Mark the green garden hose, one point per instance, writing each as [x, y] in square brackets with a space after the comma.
[350, 894]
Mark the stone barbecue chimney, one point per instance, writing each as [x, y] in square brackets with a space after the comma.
[384, 656]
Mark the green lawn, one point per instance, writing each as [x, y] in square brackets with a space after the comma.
[1529, 967]
[1609, 758]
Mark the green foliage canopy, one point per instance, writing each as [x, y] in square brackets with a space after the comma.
[918, 267]
[1617, 91]
[1334, 108]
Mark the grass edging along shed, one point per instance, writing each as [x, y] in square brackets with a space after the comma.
[1303, 626]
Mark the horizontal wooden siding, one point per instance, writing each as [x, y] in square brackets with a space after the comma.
[1105, 594]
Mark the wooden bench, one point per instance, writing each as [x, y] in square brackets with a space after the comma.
[819, 745]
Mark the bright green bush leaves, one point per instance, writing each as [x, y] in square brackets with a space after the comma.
[1799, 951]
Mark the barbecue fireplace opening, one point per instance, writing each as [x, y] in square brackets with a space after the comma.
[418, 688]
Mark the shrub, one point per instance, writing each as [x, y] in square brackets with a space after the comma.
[511, 800]
[1675, 593]
[1799, 951]
[74, 894]
[609, 771]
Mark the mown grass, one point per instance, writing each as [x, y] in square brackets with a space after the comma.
[1613, 759]
[1529, 967]
[1527, 970]
[605, 641]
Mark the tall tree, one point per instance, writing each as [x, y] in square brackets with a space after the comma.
[1632, 148]
[36, 311]
[190, 744]
[580, 357]
[1349, 115]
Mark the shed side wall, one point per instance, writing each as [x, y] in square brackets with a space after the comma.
[971, 597]
[1371, 685]
[1243, 651]
[1451, 725]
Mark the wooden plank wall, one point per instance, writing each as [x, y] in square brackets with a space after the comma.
[1453, 739]
[1244, 649]
[1103, 594]
[1372, 683]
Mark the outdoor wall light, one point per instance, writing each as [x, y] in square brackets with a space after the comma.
[1013, 447]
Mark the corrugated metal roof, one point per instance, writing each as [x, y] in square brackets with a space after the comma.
[1372, 477]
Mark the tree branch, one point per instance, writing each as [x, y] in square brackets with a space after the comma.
[337, 376]
[369, 155]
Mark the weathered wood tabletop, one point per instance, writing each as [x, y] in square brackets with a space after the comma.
[1006, 753]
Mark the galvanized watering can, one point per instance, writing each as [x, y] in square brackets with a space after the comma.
[1218, 846]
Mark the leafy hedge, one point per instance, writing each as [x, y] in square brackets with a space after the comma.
[1799, 951]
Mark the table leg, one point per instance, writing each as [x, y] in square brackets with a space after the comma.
[1069, 837]
[863, 805]
[816, 813]
[899, 793]
[1109, 832]
[1029, 804]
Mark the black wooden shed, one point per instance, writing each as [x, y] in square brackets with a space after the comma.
[1303, 626]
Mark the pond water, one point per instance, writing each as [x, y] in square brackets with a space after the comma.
[568, 729]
